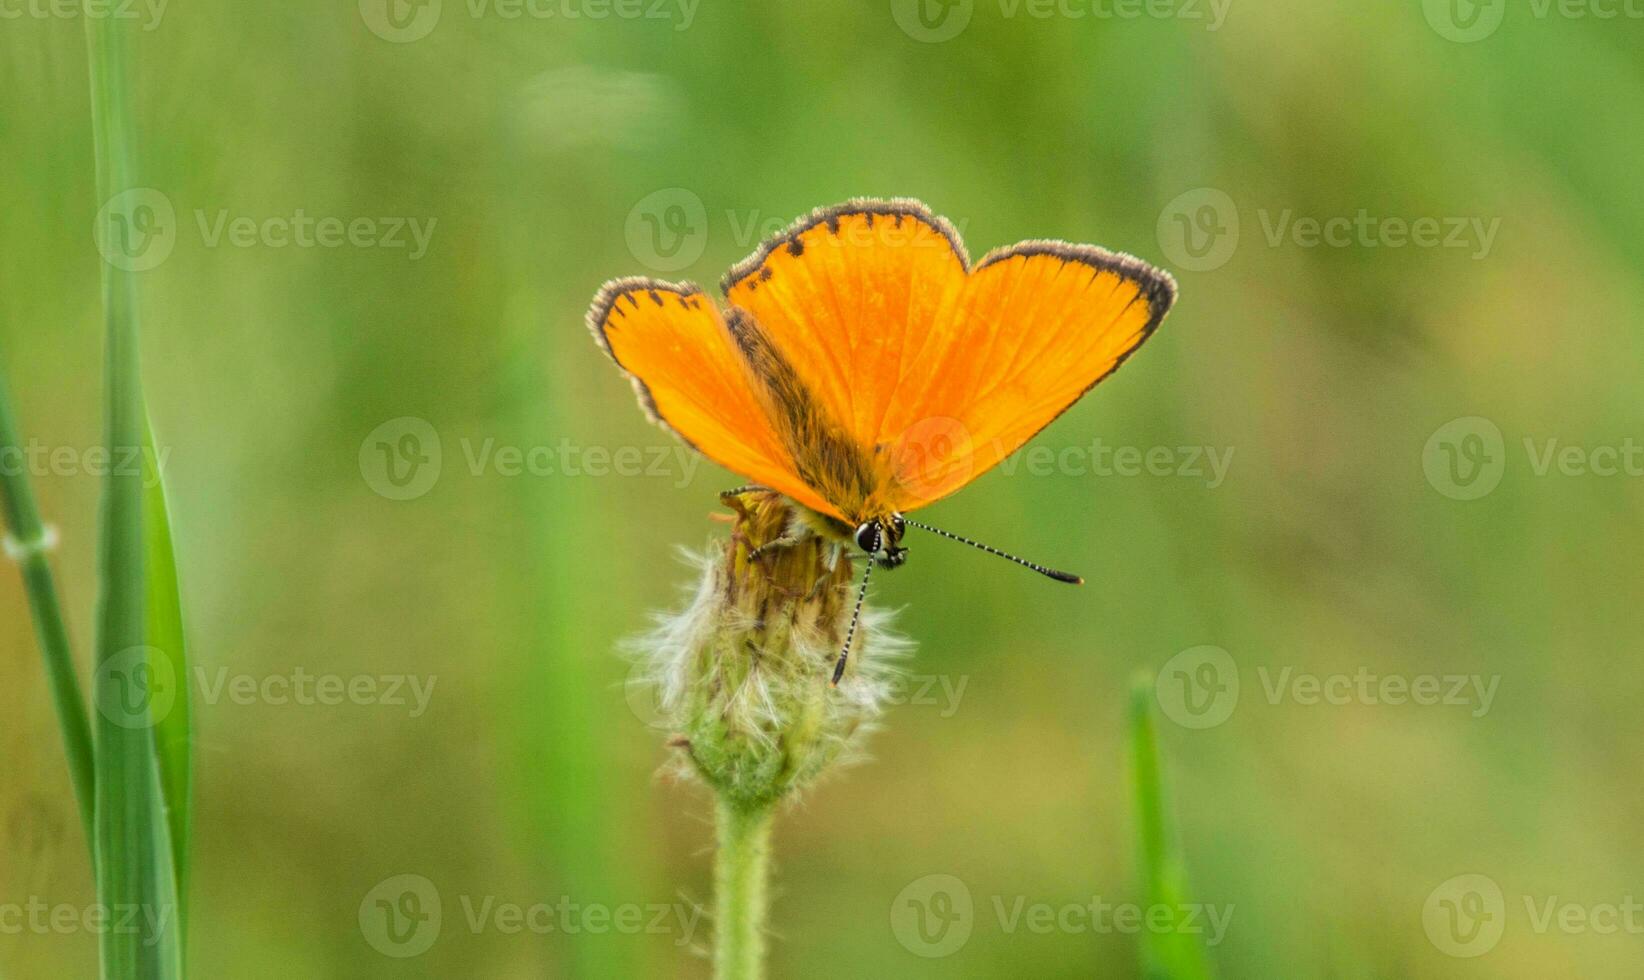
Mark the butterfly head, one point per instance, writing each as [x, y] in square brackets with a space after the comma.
[881, 538]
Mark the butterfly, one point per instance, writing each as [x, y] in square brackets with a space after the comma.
[864, 367]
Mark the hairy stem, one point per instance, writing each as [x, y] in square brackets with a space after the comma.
[741, 871]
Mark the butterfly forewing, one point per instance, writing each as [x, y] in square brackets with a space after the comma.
[671, 340]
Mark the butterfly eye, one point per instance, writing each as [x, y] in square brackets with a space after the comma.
[867, 537]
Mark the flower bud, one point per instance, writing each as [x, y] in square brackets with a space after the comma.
[743, 670]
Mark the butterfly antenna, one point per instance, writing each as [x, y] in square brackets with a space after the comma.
[850, 634]
[1068, 577]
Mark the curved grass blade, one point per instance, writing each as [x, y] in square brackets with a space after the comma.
[1174, 953]
[135, 683]
[30, 542]
[173, 736]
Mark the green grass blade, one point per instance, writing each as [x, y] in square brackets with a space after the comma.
[132, 689]
[1167, 954]
[173, 736]
[28, 534]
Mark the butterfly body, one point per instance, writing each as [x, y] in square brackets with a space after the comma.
[881, 539]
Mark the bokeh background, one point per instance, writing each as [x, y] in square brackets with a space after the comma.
[1358, 528]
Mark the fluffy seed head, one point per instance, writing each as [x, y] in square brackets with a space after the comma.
[742, 671]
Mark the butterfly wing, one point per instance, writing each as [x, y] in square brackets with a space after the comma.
[672, 342]
[851, 294]
[1037, 326]
[930, 372]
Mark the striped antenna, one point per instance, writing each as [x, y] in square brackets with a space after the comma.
[850, 634]
[1068, 577]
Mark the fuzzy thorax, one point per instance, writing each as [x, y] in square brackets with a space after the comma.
[743, 669]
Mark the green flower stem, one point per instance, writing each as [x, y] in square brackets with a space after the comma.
[29, 538]
[741, 872]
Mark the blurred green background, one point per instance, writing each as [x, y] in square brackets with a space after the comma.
[1357, 529]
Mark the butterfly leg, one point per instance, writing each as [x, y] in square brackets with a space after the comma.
[789, 537]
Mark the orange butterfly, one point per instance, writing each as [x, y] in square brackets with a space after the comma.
[864, 368]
